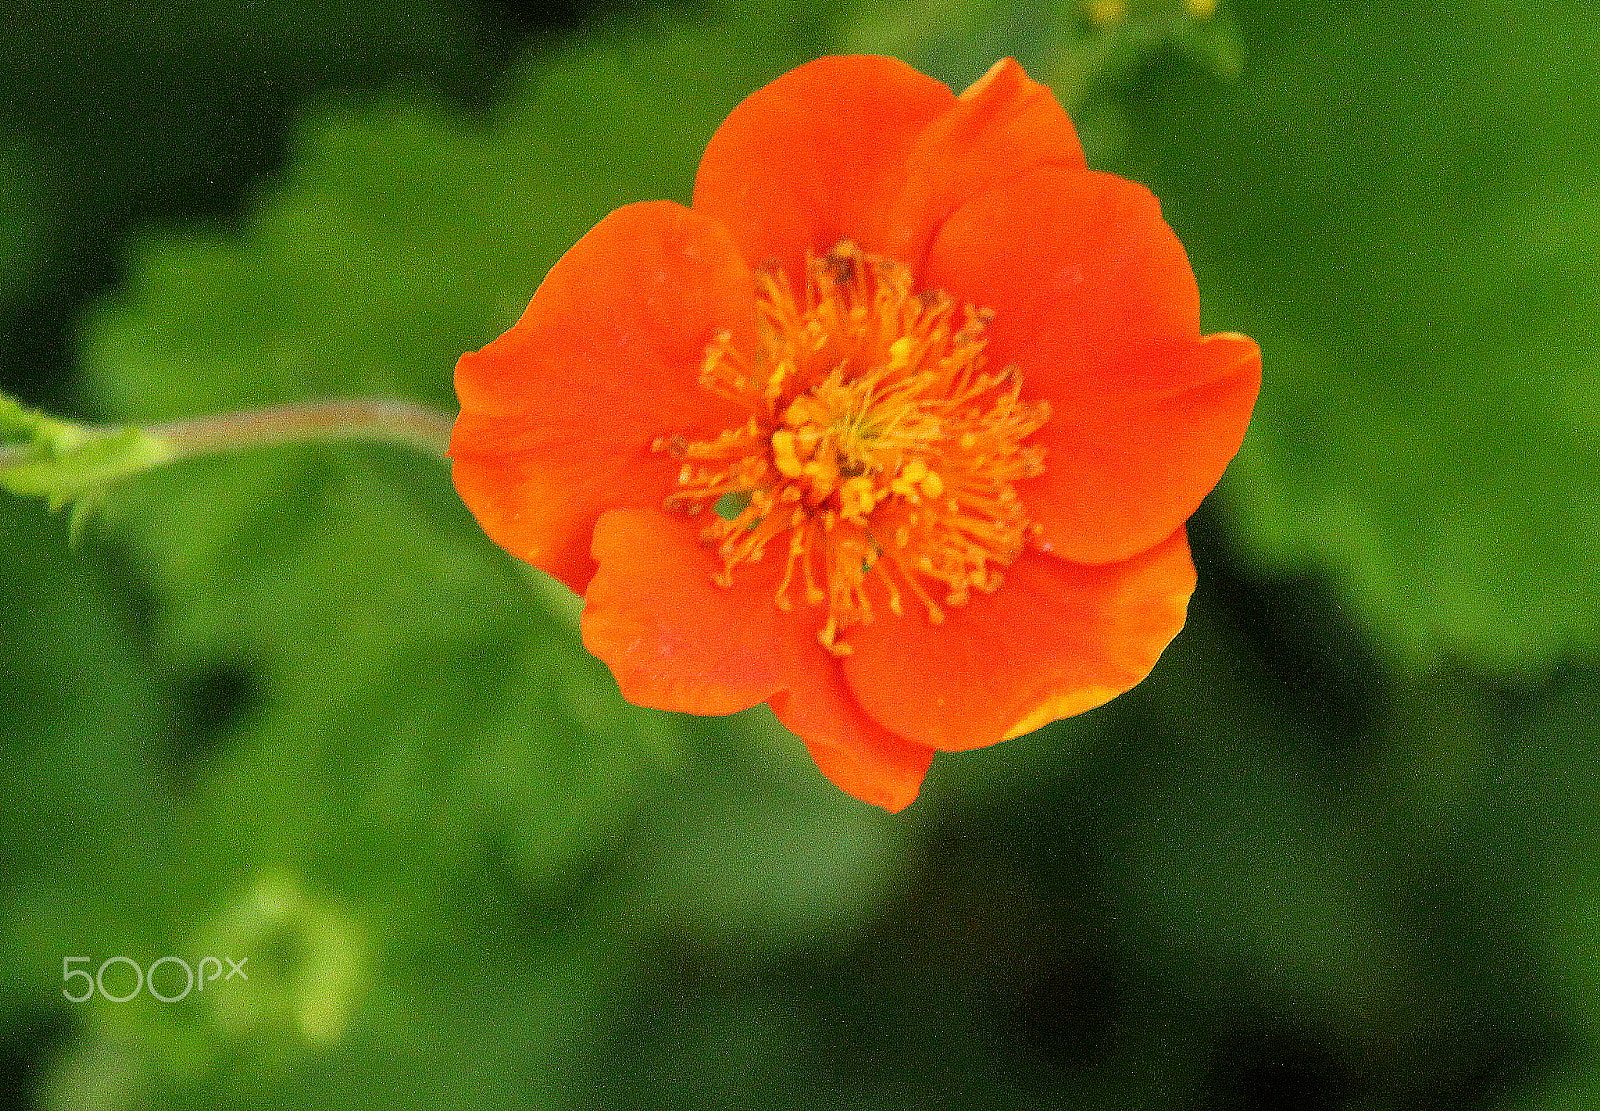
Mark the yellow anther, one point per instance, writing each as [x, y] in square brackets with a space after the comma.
[804, 409]
[906, 483]
[900, 353]
[781, 372]
[784, 455]
[823, 473]
[856, 499]
[932, 485]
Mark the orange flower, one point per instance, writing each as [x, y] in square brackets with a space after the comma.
[896, 429]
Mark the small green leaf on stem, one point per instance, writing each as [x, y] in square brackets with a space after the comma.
[66, 463]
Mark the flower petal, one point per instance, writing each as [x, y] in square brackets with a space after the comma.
[677, 641]
[559, 413]
[1003, 125]
[865, 148]
[1080, 270]
[861, 757]
[1118, 479]
[540, 509]
[673, 638]
[816, 156]
[1096, 305]
[1055, 640]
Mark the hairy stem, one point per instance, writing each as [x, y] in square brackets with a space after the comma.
[65, 462]
[400, 422]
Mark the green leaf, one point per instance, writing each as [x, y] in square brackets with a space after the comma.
[86, 811]
[1409, 233]
[405, 236]
[402, 238]
[66, 463]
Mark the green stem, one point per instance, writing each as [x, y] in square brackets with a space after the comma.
[398, 422]
[64, 462]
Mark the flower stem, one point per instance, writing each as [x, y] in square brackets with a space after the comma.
[65, 462]
[399, 422]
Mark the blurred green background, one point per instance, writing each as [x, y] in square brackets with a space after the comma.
[1339, 852]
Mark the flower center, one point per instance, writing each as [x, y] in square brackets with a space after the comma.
[880, 453]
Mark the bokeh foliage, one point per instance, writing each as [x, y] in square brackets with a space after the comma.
[290, 706]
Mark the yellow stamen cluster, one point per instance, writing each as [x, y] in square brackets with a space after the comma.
[879, 448]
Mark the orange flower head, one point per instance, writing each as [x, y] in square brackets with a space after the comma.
[896, 429]
[880, 449]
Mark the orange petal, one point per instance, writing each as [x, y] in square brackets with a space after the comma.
[677, 641]
[1119, 478]
[1003, 125]
[866, 148]
[540, 508]
[1096, 305]
[861, 757]
[1055, 640]
[673, 638]
[559, 413]
[816, 156]
[1079, 268]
